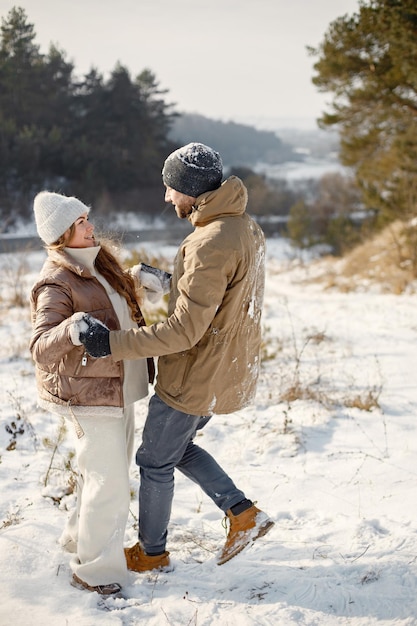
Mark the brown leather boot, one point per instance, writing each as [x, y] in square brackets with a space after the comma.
[104, 590]
[244, 529]
[138, 561]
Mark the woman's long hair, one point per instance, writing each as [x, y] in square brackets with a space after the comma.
[110, 268]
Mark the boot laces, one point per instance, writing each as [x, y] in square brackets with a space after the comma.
[225, 523]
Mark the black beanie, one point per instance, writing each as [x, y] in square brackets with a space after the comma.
[193, 170]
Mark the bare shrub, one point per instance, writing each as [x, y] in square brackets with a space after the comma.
[12, 519]
[60, 466]
[270, 345]
[19, 424]
[299, 383]
[14, 282]
[367, 401]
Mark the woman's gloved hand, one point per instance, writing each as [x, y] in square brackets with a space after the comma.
[155, 282]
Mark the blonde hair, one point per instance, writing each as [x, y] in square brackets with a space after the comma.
[110, 268]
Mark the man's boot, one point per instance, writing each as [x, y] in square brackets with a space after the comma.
[138, 561]
[244, 529]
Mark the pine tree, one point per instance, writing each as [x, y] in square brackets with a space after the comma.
[35, 96]
[369, 62]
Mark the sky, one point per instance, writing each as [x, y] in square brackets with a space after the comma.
[338, 480]
[237, 60]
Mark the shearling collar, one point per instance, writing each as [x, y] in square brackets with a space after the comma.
[84, 256]
[61, 259]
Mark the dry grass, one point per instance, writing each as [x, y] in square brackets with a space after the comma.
[307, 391]
[367, 401]
[14, 282]
[142, 256]
[329, 398]
[387, 262]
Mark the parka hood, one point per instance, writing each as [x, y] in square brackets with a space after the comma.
[229, 199]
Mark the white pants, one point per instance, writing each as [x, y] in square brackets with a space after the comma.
[95, 531]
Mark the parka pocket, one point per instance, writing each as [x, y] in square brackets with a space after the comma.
[174, 370]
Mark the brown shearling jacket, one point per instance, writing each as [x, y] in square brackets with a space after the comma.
[66, 375]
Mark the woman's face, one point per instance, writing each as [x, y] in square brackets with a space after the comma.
[83, 235]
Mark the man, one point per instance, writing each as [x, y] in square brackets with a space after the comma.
[208, 352]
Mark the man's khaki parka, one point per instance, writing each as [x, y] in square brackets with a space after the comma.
[209, 346]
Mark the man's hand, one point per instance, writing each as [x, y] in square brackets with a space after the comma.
[95, 337]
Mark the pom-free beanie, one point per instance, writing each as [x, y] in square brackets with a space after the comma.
[55, 213]
[193, 169]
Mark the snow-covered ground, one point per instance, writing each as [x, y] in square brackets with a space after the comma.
[328, 450]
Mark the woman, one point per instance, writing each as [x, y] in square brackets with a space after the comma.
[97, 395]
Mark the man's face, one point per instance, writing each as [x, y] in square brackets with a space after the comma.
[183, 204]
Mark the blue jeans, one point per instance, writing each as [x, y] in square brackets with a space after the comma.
[167, 443]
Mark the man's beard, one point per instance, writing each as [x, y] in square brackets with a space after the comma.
[183, 212]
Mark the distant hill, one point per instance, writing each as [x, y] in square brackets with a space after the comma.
[238, 144]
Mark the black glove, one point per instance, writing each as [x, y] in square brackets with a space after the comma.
[96, 338]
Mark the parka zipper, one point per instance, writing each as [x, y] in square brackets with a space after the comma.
[82, 363]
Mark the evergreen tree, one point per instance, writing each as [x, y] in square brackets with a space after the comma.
[35, 92]
[91, 138]
[20, 63]
[106, 139]
[369, 62]
[160, 116]
[119, 134]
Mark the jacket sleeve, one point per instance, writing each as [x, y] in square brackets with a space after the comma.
[51, 319]
[201, 289]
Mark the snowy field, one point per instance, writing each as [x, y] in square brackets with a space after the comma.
[329, 450]
[310, 169]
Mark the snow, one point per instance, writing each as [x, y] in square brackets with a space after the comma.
[339, 480]
[309, 168]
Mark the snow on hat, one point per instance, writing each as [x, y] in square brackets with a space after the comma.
[55, 213]
[193, 169]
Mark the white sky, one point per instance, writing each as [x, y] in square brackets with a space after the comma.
[225, 59]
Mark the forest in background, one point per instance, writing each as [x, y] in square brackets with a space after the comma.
[105, 140]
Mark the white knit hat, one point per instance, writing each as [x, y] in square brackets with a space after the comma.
[55, 213]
